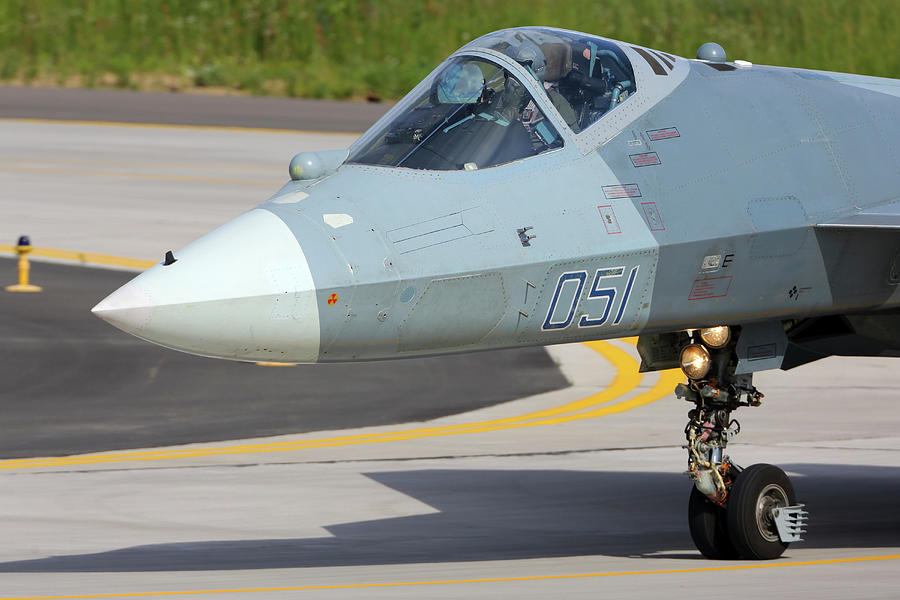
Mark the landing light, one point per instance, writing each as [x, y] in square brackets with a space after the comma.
[695, 361]
[716, 337]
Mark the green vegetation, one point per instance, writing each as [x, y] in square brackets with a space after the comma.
[381, 48]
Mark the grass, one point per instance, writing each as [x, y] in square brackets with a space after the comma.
[381, 48]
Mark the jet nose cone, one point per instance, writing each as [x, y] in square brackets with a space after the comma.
[129, 308]
[243, 291]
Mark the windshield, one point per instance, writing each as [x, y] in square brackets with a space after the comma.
[472, 114]
[584, 76]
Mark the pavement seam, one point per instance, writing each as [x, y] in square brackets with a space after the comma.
[342, 461]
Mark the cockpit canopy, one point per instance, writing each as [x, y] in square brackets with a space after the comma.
[584, 76]
[472, 112]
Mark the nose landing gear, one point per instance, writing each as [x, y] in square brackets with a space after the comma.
[732, 512]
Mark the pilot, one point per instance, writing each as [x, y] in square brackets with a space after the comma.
[532, 57]
[513, 99]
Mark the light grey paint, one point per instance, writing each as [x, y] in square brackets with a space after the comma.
[706, 184]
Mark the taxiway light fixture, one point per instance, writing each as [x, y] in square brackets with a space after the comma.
[716, 337]
[695, 361]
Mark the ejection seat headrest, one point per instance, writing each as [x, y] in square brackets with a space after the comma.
[559, 60]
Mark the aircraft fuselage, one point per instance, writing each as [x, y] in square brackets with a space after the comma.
[694, 204]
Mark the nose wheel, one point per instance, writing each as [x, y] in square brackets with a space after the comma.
[750, 525]
[753, 507]
[732, 512]
[708, 523]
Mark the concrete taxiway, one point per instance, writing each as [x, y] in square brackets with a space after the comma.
[573, 492]
[137, 191]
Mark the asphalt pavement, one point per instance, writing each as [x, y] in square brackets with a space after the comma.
[74, 384]
[127, 106]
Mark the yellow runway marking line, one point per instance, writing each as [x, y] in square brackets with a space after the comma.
[274, 364]
[227, 128]
[596, 405]
[352, 586]
[84, 257]
[135, 175]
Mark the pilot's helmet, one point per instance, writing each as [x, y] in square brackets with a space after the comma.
[530, 56]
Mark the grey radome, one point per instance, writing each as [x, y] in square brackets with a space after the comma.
[712, 52]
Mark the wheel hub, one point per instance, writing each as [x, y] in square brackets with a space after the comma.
[771, 497]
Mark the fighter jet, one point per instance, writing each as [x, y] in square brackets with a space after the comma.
[544, 186]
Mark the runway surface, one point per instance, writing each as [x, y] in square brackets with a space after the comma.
[188, 109]
[574, 492]
[496, 503]
[137, 191]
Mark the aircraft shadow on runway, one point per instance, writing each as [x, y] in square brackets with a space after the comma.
[515, 514]
[73, 384]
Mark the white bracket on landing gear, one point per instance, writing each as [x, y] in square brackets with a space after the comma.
[790, 521]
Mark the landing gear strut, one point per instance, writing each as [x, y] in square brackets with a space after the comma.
[732, 512]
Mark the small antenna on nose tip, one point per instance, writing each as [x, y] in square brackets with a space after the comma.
[170, 258]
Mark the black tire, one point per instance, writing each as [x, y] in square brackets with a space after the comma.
[709, 528]
[758, 489]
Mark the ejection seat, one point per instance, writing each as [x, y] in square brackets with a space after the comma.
[558, 59]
